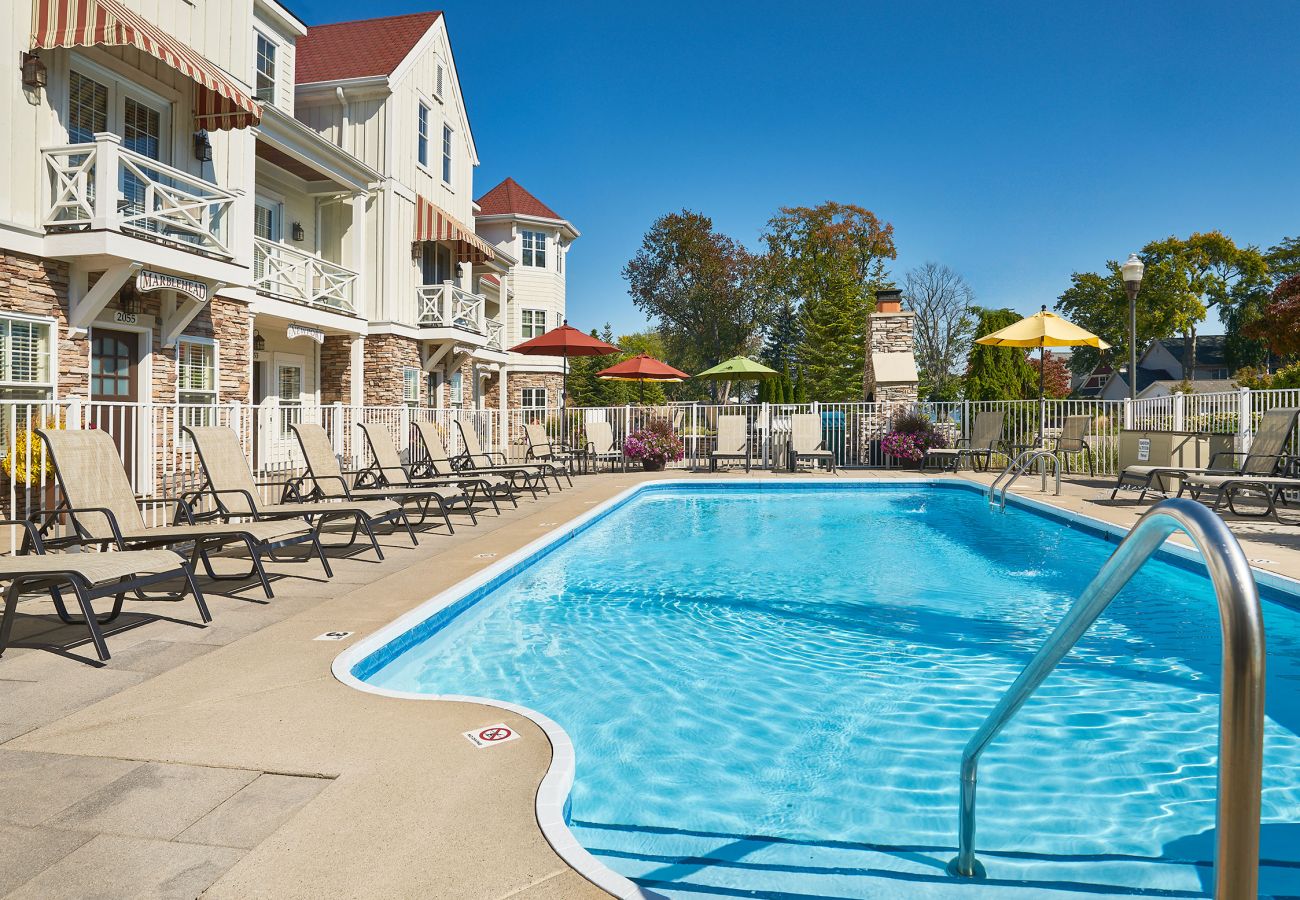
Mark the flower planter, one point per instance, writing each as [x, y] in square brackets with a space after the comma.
[652, 465]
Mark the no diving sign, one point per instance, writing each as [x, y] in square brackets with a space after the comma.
[491, 735]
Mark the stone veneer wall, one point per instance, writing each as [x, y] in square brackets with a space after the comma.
[336, 369]
[517, 381]
[386, 356]
[889, 332]
[39, 287]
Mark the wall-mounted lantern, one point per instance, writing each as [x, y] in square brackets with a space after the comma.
[202, 146]
[34, 73]
[297, 232]
[128, 300]
[259, 342]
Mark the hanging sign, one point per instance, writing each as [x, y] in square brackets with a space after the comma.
[296, 331]
[148, 280]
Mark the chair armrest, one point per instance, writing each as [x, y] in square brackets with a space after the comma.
[247, 495]
[72, 511]
[32, 535]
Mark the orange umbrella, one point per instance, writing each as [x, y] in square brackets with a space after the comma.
[564, 341]
[642, 368]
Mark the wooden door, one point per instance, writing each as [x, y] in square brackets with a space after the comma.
[114, 384]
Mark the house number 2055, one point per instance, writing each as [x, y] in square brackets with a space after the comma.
[124, 318]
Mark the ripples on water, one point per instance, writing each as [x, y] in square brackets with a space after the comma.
[810, 664]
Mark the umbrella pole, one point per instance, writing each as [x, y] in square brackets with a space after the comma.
[1042, 397]
[564, 404]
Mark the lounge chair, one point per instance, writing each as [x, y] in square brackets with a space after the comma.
[328, 481]
[542, 449]
[90, 576]
[437, 463]
[733, 442]
[102, 509]
[982, 444]
[806, 442]
[231, 486]
[482, 461]
[600, 445]
[1225, 489]
[386, 470]
[1265, 459]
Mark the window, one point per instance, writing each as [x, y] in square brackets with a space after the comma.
[437, 265]
[290, 396]
[422, 136]
[265, 69]
[26, 369]
[533, 322]
[411, 377]
[446, 153]
[196, 381]
[455, 386]
[559, 258]
[533, 398]
[535, 248]
[87, 108]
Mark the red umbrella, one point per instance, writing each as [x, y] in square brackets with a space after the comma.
[642, 368]
[565, 341]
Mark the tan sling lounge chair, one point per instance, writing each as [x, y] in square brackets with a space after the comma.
[437, 463]
[386, 470]
[1267, 453]
[102, 509]
[90, 576]
[806, 442]
[733, 442]
[600, 445]
[981, 445]
[542, 449]
[482, 461]
[328, 481]
[231, 485]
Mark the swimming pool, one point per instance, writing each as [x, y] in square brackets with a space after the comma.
[768, 689]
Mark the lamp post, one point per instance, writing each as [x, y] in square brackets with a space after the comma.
[1132, 272]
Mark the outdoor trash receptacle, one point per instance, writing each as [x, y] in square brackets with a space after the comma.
[833, 433]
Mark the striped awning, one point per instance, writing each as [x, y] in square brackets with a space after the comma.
[219, 103]
[433, 223]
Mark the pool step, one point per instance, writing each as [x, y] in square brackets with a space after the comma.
[694, 865]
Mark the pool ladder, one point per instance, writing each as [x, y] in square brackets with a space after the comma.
[1001, 485]
[1241, 700]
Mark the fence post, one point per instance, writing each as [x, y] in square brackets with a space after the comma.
[1128, 413]
[1180, 410]
[765, 418]
[1245, 421]
[337, 431]
[74, 413]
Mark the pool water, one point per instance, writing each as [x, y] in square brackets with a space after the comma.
[769, 691]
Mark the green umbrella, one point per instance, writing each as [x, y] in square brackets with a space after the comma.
[738, 368]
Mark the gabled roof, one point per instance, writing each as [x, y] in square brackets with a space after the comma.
[1211, 349]
[510, 198]
[366, 47]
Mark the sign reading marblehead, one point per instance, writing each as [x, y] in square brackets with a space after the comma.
[147, 280]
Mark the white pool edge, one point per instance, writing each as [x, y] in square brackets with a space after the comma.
[553, 791]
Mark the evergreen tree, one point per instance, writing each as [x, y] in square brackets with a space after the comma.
[998, 373]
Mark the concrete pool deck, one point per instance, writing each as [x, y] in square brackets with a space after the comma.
[227, 761]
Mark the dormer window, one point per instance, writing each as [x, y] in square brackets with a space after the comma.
[534, 248]
[265, 69]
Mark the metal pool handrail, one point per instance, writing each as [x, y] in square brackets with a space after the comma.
[1019, 466]
[1241, 701]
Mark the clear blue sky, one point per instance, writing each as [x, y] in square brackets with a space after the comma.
[1015, 142]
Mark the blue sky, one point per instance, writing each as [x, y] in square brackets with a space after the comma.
[1015, 142]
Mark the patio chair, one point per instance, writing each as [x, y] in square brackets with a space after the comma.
[102, 509]
[482, 461]
[542, 449]
[983, 443]
[437, 463]
[806, 442]
[1266, 457]
[1226, 488]
[733, 442]
[1073, 441]
[229, 482]
[90, 576]
[601, 446]
[386, 470]
[329, 482]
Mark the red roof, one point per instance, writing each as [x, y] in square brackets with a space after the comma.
[359, 49]
[509, 198]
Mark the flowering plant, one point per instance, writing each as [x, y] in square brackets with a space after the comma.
[913, 434]
[656, 444]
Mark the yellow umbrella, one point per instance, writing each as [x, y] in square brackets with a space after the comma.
[1043, 329]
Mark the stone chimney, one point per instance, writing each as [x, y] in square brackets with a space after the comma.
[890, 375]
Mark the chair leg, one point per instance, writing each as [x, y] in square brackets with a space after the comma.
[257, 566]
[364, 523]
[11, 609]
[320, 552]
[411, 531]
[197, 594]
[96, 636]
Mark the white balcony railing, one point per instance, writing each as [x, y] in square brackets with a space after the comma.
[302, 277]
[496, 334]
[447, 306]
[148, 196]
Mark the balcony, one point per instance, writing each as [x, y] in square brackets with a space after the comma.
[149, 199]
[291, 274]
[447, 306]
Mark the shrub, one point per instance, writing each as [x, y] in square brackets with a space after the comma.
[656, 443]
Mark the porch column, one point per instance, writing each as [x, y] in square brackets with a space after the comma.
[357, 237]
[503, 413]
[357, 396]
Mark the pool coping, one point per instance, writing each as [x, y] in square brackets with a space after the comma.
[552, 799]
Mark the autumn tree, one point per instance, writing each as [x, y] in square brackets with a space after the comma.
[1056, 376]
[942, 301]
[998, 373]
[826, 262]
[1279, 325]
[703, 290]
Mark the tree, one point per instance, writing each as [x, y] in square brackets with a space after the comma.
[1279, 325]
[998, 373]
[1056, 376]
[1209, 271]
[703, 289]
[942, 302]
[827, 262]
[1283, 259]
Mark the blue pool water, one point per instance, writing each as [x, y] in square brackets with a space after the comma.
[768, 692]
